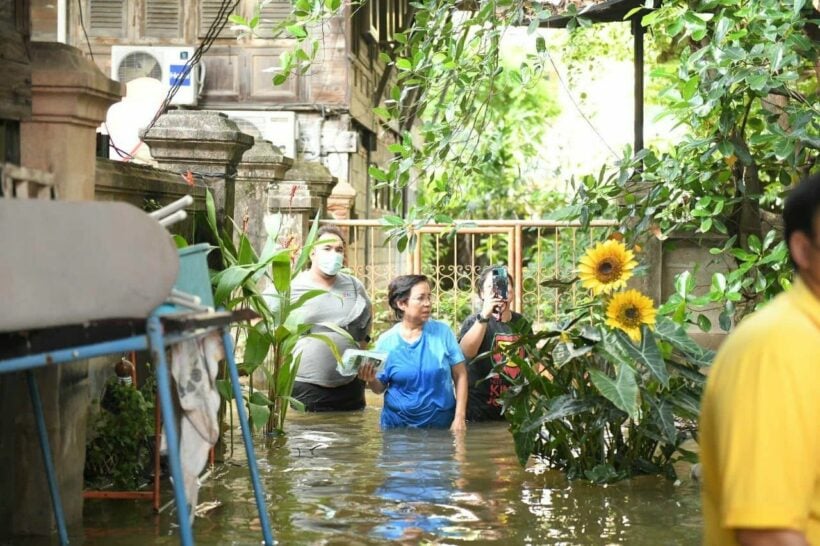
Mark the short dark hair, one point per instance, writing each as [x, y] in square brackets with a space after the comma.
[486, 273]
[399, 290]
[801, 208]
[326, 229]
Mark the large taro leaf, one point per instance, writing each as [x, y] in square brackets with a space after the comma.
[673, 333]
[524, 445]
[646, 353]
[662, 417]
[622, 391]
[558, 408]
[565, 351]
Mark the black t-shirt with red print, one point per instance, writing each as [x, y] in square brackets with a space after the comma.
[482, 400]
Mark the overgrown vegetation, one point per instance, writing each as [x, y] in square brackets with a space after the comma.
[269, 343]
[744, 91]
[120, 451]
[610, 390]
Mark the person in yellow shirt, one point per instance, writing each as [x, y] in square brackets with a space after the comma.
[760, 415]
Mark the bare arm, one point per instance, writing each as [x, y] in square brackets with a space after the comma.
[471, 341]
[770, 537]
[367, 373]
[459, 372]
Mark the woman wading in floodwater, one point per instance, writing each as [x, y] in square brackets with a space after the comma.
[424, 379]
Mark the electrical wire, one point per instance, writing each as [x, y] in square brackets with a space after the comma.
[82, 26]
[215, 28]
[578, 107]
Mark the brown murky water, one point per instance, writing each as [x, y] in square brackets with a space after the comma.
[338, 480]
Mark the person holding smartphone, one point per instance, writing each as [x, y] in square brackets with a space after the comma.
[484, 334]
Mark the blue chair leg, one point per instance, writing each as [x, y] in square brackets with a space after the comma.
[45, 449]
[156, 340]
[246, 437]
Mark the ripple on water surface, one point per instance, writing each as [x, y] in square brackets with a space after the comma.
[336, 479]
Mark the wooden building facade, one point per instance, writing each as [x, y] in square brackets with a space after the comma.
[324, 115]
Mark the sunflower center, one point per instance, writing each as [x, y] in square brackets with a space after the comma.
[608, 270]
[631, 316]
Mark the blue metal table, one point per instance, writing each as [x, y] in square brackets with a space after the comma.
[27, 351]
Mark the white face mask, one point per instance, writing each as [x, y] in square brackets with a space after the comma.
[329, 262]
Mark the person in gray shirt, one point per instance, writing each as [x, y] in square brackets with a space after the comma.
[318, 385]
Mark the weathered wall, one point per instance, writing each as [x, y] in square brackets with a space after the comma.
[147, 188]
[691, 253]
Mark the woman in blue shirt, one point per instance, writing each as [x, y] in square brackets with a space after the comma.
[424, 377]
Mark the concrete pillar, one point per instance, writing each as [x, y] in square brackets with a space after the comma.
[261, 167]
[295, 201]
[70, 97]
[206, 143]
[341, 200]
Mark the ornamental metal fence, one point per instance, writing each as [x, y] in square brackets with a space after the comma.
[540, 255]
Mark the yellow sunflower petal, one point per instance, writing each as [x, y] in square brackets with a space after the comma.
[629, 310]
[606, 267]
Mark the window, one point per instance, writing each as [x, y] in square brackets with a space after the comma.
[273, 13]
[379, 20]
[106, 17]
[162, 18]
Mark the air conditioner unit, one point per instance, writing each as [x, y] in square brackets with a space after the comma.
[277, 126]
[163, 63]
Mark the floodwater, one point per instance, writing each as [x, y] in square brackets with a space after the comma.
[336, 479]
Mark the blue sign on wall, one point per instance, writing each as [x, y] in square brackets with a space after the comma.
[176, 74]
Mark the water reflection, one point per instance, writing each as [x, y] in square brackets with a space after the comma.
[336, 479]
[421, 480]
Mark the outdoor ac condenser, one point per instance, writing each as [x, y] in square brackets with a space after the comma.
[163, 63]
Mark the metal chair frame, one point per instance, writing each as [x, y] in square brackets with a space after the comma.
[155, 339]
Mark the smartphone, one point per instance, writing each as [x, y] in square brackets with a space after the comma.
[500, 283]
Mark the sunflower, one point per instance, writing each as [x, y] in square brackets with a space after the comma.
[606, 267]
[628, 310]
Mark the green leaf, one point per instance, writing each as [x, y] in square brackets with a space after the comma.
[675, 335]
[377, 173]
[260, 399]
[304, 254]
[646, 353]
[623, 392]
[725, 321]
[558, 408]
[257, 346]
[246, 254]
[223, 387]
[281, 272]
[210, 208]
[305, 297]
[564, 352]
[754, 244]
[258, 414]
[230, 279]
[664, 419]
[180, 241]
